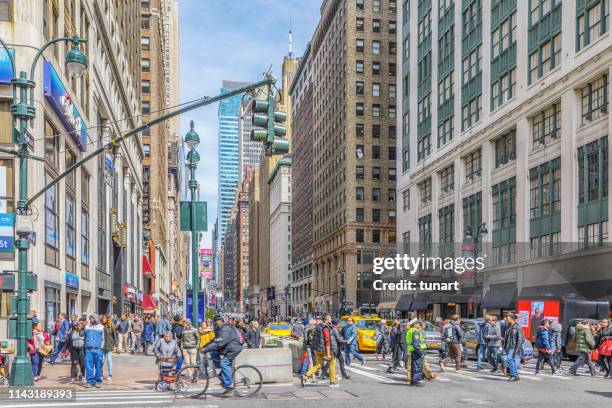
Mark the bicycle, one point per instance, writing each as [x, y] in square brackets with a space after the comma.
[194, 381]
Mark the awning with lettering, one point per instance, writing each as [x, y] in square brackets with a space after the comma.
[149, 304]
[146, 267]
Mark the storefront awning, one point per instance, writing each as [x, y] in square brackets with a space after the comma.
[404, 303]
[587, 290]
[146, 267]
[502, 298]
[420, 302]
[149, 304]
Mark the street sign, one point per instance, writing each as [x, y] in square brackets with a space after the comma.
[7, 233]
[201, 217]
[348, 303]
[7, 282]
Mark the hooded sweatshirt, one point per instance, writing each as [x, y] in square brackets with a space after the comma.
[94, 333]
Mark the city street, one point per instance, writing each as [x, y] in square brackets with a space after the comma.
[370, 386]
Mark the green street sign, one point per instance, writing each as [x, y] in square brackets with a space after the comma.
[201, 218]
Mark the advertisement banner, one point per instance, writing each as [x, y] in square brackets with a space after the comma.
[206, 259]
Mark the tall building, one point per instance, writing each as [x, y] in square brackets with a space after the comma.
[353, 150]
[229, 154]
[230, 281]
[301, 187]
[242, 232]
[86, 248]
[507, 101]
[254, 302]
[161, 175]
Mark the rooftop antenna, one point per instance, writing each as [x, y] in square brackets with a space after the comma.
[290, 37]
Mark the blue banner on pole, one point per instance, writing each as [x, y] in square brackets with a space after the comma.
[200, 307]
[6, 69]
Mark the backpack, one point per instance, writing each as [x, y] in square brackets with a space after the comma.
[317, 342]
[447, 333]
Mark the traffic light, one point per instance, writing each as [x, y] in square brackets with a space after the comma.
[269, 126]
[260, 121]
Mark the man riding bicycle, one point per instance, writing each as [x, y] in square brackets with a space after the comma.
[228, 344]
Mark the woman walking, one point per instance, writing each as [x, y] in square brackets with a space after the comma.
[111, 341]
[76, 346]
[38, 347]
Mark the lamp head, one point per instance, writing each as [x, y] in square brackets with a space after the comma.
[192, 139]
[193, 157]
[76, 61]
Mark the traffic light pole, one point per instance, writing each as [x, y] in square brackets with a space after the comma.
[195, 273]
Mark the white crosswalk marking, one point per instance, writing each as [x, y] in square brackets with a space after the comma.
[92, 398]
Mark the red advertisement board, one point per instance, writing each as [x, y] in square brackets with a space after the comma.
[532, 312]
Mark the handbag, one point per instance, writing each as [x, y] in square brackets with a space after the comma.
[605, 348]
[45, 349]
[594, 355]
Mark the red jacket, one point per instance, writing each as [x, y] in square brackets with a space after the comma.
[31, 347]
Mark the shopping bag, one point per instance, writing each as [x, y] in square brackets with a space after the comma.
[594, 355]
[605, 348]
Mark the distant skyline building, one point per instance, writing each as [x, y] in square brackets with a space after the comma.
[229, 154]
[250, 151]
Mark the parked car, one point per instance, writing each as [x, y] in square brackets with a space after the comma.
[366, 331]
[278, 329]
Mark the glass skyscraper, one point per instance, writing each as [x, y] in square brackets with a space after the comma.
[229, 152]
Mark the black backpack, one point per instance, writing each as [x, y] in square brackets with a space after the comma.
[317, 342]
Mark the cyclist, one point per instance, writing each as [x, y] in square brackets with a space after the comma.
[228, 344]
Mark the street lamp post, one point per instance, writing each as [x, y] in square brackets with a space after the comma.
[23, 111]
[475, 238]
[192, 140]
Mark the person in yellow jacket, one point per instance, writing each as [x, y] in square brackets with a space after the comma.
[206, 335]
[415, 339]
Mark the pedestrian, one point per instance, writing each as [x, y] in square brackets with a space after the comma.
[38, 348]
[124, 329]
[148, 334]
[94, 341]
[512, 345]
[253, 336]
[494, 343]
[556, 340]
[76, 346]
[189, 344]
[585, 342]
[340, 343]
[350, 347]
[110, 343]
[60, 331]
[544, 346]
[453, 337]
[166, 347]
[35, 320]
[226, 344]
[417, 349]
[394, 343]
[604, 346]
[137, 328]
[161, 326]
[308, 357]
[74, 321]
[323, 344]
[177, 329]
[483, 330]
[382, 336]
[206, 334]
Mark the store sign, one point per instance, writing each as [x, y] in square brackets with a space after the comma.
[7, 233]
[61, 101]
[72, 280]
[6, 69]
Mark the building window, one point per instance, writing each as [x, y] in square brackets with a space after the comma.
[6, 10]
[144, 22]
[446, 221]
[145, 43]
[591, 235]
[406, 200]
[545, 189]
[425, 191]
[592, 22]
[392, 130]
[392, 111]
[472, 211]
[70, 228]
[425, 235]
[359, 4]
[392, 6]
[504, 204]
[423, 147]
[146, 107]
[545, 58]
[376, 215]
[392, 91]
[546, 125]
[359, 172]
[359, 215]
[359, 67]
[376, 173]
[503, 89]
[406, 158]
[376, 194]
[359, 194]
[392, 69]
[376, 152]
[51, 145]
[375, 236]
[145, 65]
[359, 88]
[473, 166]
[503, 36]
[445, 130]
[376, 68]
[392, 174]
[471, 112]
[392, 27]
[376, 131]
[593, 166]
[359, 44]
[359, 24]
[392, 48]
[359, 235]
[69, 161]
[545, 245]
[447, 179]
[392, 152]
[376, 6]
[376, 25]
[505, 149]
[359, 130]
[359, 152]
[7, 186]
[146, 86]
[84, 236]
[375, 110]
[147, 149]
[595, 99]
[375, 89]
[359, 108]
[471, 16]
[391, 196]
[472, 65]
[406, 242]
[446, 89]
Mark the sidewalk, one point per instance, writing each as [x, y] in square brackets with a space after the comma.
[130, 372]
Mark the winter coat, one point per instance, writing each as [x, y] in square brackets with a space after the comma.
[94, 333]
[177, 331]
[124, 326]
[76, 340]
[584, 339]
[603, 334]
[556, 338]
[494, 336]
[336, 340]
[148, 331]
[543, 339]
[161, 327]
[206, 336]
[226, 342]
[514, 339]
[110, 338]
[350, 333]
[64, 328]
[164, 349]
[483, 330]
[190, 338]
[137, 326]
[252, 338]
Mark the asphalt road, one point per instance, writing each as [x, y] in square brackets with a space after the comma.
[372, 387]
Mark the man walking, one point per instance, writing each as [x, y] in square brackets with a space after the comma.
[584, 344]
[340, 342]
[189, 345]
[94, 340]
[137, 327]
[350, 347]
[417, 349]
[452, 336]
[124, 328]
[323, 344]
[544, 346]
[483, 330]
[63, 327]
[513, 341]
[494, 342]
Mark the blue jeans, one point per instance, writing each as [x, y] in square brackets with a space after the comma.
[108, 361]
[93, 366]
[482, 355]
[512, 363]
[351, 349]
[226, 372]
[37, 363]
[59, 347]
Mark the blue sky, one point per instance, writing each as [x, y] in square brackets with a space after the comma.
[234, 40]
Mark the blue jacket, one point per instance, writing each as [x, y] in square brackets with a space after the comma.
[543, 339]
[147, 331]
[64, 328]
[94, 336]
[161, 327]
[483, 331]
[350, 333]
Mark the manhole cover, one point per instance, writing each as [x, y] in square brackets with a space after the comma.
[337, 394]
[307, 395]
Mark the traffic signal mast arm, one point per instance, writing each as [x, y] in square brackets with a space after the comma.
[268, 80]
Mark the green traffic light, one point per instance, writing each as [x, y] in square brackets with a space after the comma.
[280, 130]
[280, 117]
[260, 106]
[280, 146]
[260, 120]
[259, 135]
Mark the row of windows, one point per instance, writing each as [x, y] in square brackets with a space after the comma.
[360, 152]
[376, 215]
[376, 110]
[376, 173]
[376, 131]
[376, 5]
[376, 47]
[376, 67]
[376, 89]
[376, 194]
[376, 25]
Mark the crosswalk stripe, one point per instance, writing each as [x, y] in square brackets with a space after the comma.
[80, 404]
[371, 375]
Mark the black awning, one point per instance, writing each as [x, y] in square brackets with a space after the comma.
[502, 298]
[404, 303]
[587, 290]
[420, 302]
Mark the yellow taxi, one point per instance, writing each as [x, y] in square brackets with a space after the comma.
[279, 329]
[366, 331]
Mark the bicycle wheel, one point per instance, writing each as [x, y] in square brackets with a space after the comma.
[247, 381]
[190, 383]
